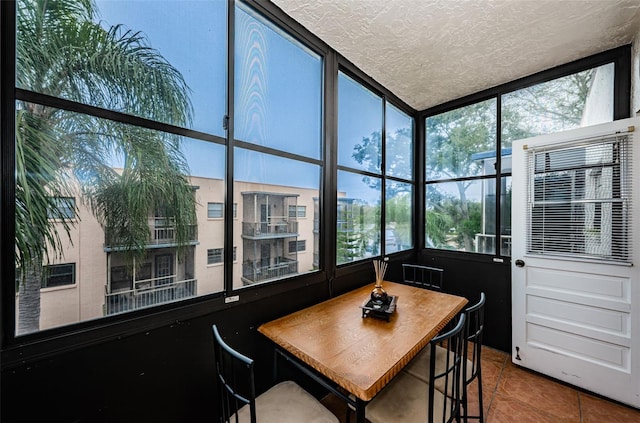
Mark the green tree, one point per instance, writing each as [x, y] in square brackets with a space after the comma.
[350, 242]
[63, 52]
[369, 153]
[452, 138]
[547, 107]
[399, 216]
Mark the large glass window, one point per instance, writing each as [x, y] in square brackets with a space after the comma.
[135, 62]
[398, 230]
[278, 119]
[461, 147]
[278, 88]
[359, 126]
[359, 194]
[581, 99]
[135, 231]
[465, 189]
[398, 143]
[358, 231]
[399, 157]
[266, 193]
[375, 155]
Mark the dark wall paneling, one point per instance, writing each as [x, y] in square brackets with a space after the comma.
[468, 275]
[161, 375]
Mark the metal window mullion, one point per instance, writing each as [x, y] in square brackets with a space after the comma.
[229, 120]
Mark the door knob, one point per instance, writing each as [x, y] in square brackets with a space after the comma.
[519, 263]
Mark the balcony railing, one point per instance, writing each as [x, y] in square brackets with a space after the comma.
[283, 267]
[159, 234]
[270, 229]
[149, 293]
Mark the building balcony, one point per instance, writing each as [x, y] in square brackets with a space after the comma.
[149, 292]
[271, 229]
[252, 272]
[160, 234]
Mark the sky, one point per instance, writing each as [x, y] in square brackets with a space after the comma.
[278, 89]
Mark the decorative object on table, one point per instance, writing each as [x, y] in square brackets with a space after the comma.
[379, 304]
[379, 295]
[379, 310]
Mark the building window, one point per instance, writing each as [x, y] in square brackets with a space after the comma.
[215, 210]
[215, 255]
[235, 210]
[297, 211]
[62, 208]
[296, 246]
[59, 275]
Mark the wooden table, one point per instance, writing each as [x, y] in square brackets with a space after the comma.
[361, 355]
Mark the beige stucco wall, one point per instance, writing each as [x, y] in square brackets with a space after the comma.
[85, 299]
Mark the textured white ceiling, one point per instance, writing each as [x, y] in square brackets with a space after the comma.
[428, 52]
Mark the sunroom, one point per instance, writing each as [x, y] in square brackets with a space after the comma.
[173, 165]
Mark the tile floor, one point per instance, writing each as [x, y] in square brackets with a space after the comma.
[514, 394]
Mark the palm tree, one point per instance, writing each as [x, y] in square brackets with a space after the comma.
[63, 52]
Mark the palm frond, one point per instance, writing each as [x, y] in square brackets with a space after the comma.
[63, 51]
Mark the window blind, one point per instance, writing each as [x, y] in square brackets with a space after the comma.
[579, 199]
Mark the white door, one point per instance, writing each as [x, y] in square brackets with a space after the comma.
[575, 258]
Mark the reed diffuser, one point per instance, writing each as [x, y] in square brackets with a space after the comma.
[379, 295]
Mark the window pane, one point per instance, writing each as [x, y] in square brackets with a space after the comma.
[459, 216]
[71, 153]
[461, 142]
[399, 143]
[167, 62]
[298, 211]
[215, 255]
[575, 189]
[399, 215]
[582, 99]
[215, 210]
[359, 126]
[64, 208]
[358, 225]
[264, 190]
[278, 88]
[297, 246]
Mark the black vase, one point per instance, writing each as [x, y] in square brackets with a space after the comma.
[379, 295]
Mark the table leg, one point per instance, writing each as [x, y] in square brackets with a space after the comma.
[275, 365]
[360, 410]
